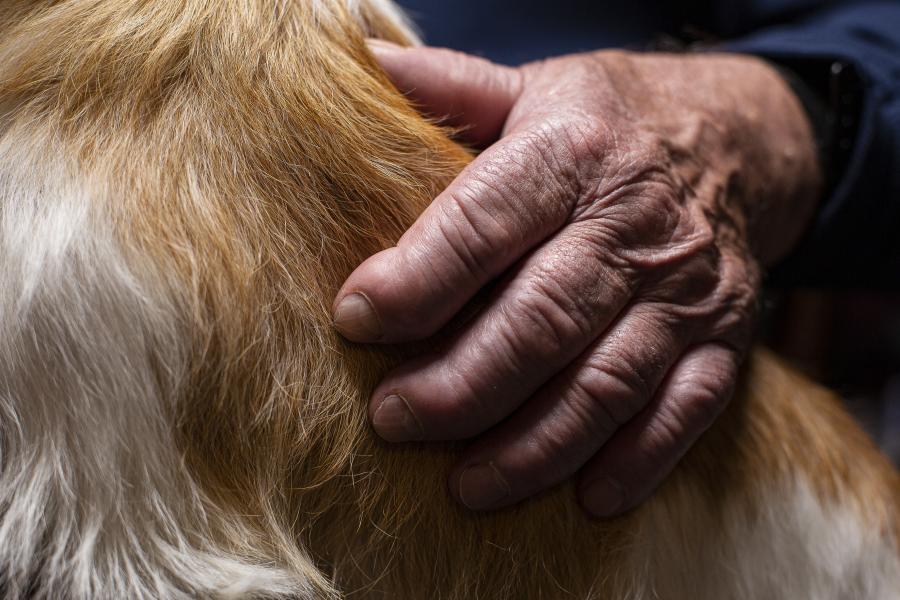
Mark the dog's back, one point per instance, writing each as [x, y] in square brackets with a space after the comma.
[183, 187]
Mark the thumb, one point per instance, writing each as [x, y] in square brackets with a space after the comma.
[460, 90]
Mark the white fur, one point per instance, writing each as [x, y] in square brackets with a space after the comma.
[789, 545]
[94, 500]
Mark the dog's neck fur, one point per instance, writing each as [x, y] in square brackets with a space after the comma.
[183, 187]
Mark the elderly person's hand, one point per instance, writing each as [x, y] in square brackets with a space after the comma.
[624, 204]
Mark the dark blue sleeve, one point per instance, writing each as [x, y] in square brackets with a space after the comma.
[855, 239]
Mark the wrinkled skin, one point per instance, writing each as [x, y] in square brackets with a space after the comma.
[625, 203]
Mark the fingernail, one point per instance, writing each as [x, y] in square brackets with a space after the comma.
[395, 422]
[482, 487]
[604, 497]
[356, 320]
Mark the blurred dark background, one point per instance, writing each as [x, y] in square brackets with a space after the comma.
[850, 341]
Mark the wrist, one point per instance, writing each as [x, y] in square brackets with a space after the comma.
[789, 154]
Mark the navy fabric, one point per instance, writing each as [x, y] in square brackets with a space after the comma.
[517, 31]
[855, 239]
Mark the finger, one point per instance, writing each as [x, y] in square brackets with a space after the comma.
[551, 308]
[568, 420]
[640, 456]
[507, 201]
[462, 90]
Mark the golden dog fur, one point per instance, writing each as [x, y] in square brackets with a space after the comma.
[184, 186]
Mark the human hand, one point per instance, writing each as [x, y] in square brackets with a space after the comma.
[624, 202]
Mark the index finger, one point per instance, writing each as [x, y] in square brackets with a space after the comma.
[504, 203]
[463, 91]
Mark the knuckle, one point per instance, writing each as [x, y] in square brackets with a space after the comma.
[568, 438]
[550, 443]
[552, 161]
[655, 208]
[587, 138]
[640, 183]
[692, 407]
[663, 436]
[550, 317]
[589, 402]
[740, 275]
[475, 235]
[693, 283]
[583, 135]
[706, 405]
[712, 294]
[460, 66]
[465, 403]
[646, 220]
[645, 160]
[578, 144]
[683, 421]
[616, 388]
[736, 300]
[519, 190]
[579, 274]
[708, 395]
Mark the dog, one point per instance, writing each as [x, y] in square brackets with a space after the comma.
[184, 185]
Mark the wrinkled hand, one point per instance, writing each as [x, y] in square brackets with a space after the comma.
[624, 202]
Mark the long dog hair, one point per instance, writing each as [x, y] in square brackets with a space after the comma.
[184, 184]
